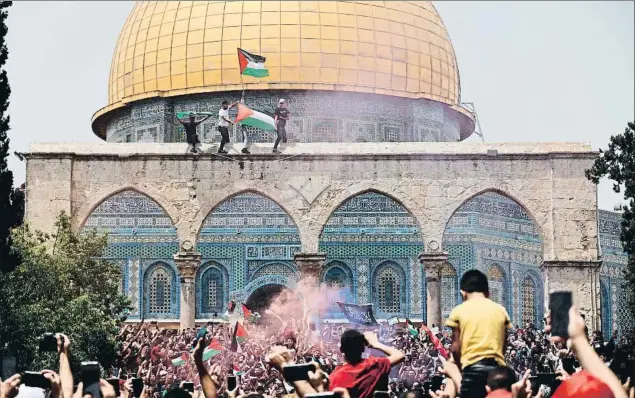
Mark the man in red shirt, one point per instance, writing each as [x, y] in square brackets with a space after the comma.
[361, 376]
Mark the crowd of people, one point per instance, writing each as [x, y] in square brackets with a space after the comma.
[476, 354]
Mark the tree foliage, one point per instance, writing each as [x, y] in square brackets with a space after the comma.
[63, 285]
[9, 256]
[618, 164]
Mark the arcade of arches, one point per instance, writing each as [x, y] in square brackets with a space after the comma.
[249, 250]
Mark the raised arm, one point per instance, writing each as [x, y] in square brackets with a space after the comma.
[208, 385]
[66, 376]
[395, 356]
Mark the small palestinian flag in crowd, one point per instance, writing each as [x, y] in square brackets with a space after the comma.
[231, 306]
[237, 370]
[238, 337]
[180, 361]
[251, 64]
[436, 343]
[214, 348]
[411, 328]
[246, 312]
[250, 117]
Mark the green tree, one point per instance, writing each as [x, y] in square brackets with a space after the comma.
[9, 256]
[63, 285]
[618, 164]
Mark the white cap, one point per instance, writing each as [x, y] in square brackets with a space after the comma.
[281, 101]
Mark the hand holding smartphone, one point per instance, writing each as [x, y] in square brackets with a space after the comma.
[559, 305]
[35, 379]
[297, 372]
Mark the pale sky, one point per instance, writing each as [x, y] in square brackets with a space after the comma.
[536, 71]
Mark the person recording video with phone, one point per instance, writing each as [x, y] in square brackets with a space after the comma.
[358, 375]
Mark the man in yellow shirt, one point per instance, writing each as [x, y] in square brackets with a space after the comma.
[479, 329]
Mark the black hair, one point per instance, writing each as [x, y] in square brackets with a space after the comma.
[178, 393]
[352, 345]
[474, 281]
[501, 378]
[225, 103]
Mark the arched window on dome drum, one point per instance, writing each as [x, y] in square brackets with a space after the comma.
[529, 301]
[388, 290]
[213, 291]
[160, 291]
[449, 282]
[496, 279]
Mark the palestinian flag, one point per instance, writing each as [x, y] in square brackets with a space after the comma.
[237, 370]
[231, 306]
[238, 337]
[249, 117]
[252, 65]
[214, 348]
[180, 361]
[435, 342]
[246, 312]
[411, 328]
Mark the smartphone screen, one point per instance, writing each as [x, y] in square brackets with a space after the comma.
[188, 386]
[137, 387]
[114, 382]
[35, 379]
[559, 304]
[90, 372]
[231, 382]
[297, 372]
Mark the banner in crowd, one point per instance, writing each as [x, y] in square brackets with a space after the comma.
[435, 341]
[359, 314]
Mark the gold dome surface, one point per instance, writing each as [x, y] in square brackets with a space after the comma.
[398, 48]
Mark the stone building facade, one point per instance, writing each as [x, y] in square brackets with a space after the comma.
[393, 224]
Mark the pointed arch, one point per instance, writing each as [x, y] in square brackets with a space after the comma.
[338, 277]
[212, 289]
[160, 292]
[140, 232]
[249, 230]
[370, 228]
[492, 227]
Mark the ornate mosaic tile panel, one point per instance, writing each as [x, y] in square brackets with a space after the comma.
[372, 229]
[246, 230]
[160, 291]
[139, 231]
[316, 116]
[616, 314]
[494, 234]
[449, 290]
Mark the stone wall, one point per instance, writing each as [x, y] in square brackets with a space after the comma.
[310, 181]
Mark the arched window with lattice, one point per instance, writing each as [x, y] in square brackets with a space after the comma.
[338, 280]
[213, 287]
[529, 301]
[496, 280]
[159, 291]
[448, 289]
[388, 290]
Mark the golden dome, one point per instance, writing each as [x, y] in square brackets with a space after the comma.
[398, 48]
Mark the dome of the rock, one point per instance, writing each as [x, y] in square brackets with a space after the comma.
[322, 51]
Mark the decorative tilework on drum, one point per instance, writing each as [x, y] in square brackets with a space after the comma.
[250, 227]
[529, 301]
[139, 231]
[492, 229]
[338, 278]
[316, 116]
[370, 229]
